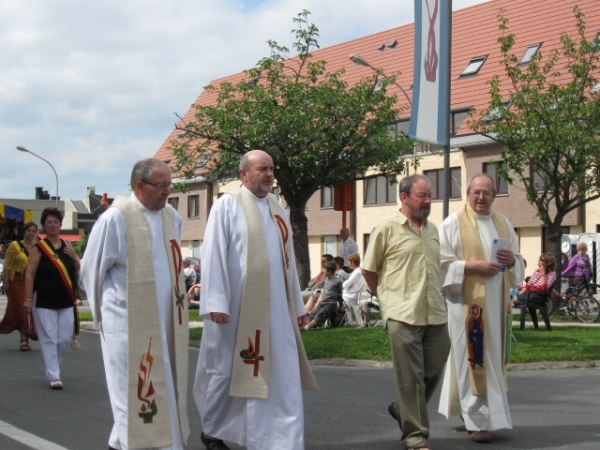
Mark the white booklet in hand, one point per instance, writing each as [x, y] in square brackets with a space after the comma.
[497, 244]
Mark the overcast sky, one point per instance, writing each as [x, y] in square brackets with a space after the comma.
[92, 86]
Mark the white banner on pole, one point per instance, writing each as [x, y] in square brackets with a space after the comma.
[429, 117]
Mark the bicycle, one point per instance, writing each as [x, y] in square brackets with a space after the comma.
[585, 308]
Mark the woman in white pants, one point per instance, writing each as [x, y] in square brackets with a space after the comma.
[50, 273]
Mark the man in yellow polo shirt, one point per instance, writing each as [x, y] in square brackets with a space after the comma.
[402, 268]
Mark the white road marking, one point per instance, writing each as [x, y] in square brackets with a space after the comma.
[28, 439]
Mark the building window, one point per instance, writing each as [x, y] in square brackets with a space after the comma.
[456, 120]
[327, 197]
[195, 249]
[538, 181]
[330, 245]
[474, 66]
[436, 178]
[379, 191]
[174, 202]
[529, 54]
[497, 112]
[194, 206]
[492, 170]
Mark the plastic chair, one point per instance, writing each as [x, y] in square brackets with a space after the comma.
[373, 307]
[353, 309]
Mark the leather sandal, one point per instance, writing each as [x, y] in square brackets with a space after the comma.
[24, 347]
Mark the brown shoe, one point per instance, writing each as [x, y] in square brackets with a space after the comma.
[394, 415]
[213, 444]
[481, 436]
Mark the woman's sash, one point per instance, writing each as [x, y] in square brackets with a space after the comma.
[475, 305]
[50, 252]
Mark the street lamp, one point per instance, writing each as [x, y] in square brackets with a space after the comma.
[23, 149]
[357, 59]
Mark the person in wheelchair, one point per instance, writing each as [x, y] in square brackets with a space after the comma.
[328, 303]
[540, 281]
[579, 266]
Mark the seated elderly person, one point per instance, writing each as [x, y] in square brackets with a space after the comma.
[189, 273]
[193, 296]
[329, 299]
[540, 281]
[352, 287]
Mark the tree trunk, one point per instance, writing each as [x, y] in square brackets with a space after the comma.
[554, 246]
[300, 233]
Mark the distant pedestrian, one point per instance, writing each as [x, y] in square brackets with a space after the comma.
[348, 246]
[51, 273]
[15, 317]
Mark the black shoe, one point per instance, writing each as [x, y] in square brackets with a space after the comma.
[393, 414]
[213, 444]
[111, 448]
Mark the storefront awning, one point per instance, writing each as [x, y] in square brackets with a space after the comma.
[66, 237]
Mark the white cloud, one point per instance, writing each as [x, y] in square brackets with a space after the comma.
[92, 86]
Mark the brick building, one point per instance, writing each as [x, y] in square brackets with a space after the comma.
[475, 61]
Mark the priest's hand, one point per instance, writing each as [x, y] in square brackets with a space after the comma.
[302, 321]
[220, 318]
[484, 268]
[506, 256]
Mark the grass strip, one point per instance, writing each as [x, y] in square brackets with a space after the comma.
[568, 343]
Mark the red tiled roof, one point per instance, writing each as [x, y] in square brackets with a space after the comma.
[474, 33]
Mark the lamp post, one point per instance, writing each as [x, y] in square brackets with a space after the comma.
[23, 149]
[357, 59]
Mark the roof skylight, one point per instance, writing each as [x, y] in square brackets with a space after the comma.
[529, 53]
[473, 66]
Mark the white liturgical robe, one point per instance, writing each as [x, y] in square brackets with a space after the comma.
[490, 411]
[274, 423]
[104, 275]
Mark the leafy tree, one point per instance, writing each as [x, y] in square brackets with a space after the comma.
[318, 130]
[548, 123]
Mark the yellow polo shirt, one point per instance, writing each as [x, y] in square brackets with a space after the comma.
[408, 265]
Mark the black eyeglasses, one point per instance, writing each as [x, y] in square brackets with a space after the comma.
[161, 186]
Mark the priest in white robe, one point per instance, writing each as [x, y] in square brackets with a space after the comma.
[476, 287]
[252, 365]
[133, 289]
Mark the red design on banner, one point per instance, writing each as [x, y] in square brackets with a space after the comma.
[177, 264]
[285, 234]
[431, 59]
[149, 408]
[251, 355]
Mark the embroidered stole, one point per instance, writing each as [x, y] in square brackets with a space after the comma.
[250, 372]
[475, 305]
[147, 404]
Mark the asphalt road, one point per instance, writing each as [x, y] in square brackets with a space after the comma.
[551, 409]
